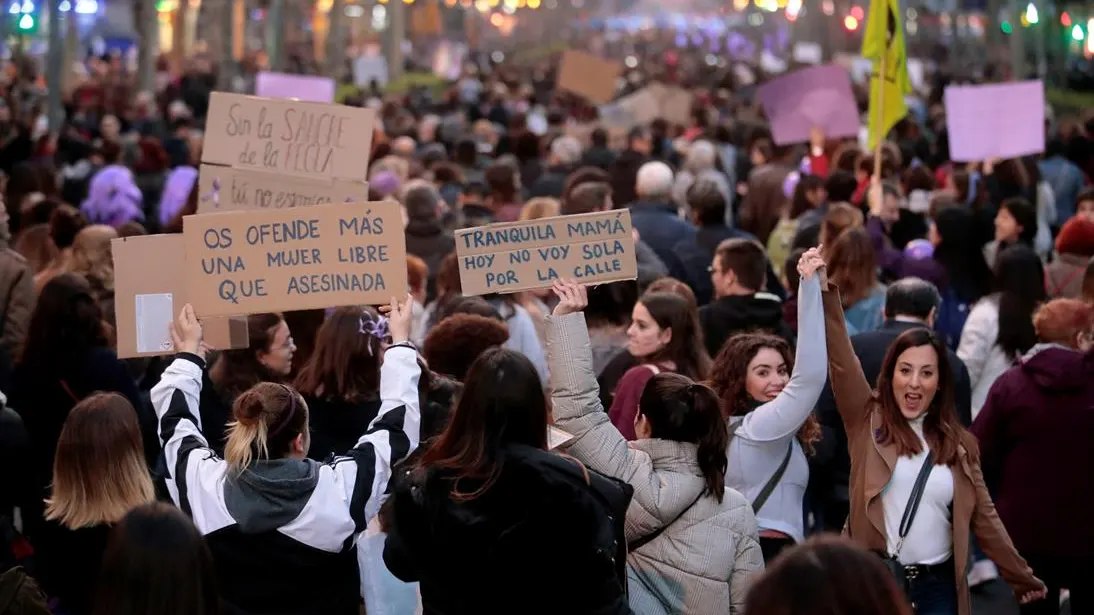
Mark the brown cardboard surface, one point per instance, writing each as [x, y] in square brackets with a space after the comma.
[288, 136]
[245, 262]
[154, 264]
[588, 76]
[515, 256]
[230, 189]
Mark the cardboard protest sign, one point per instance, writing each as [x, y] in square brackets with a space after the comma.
[245, 262]
[288, 136]
[150, 289]
[652, 102]
[819, 96]
[303, 87]
[588, 76]
[1002, 120]
[228, 189]
[515, 256]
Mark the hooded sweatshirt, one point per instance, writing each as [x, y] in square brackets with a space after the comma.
[282, 530]
[725, 317]
[1034, 432]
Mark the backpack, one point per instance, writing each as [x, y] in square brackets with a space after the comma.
[951, 318]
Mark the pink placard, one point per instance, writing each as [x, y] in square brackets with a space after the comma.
[303, 87]
[820, 96]
[999, 120]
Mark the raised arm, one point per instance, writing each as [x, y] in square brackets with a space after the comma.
[575, 398]
[784, 415]
[366, 470]
[849, 386]
[176, 401]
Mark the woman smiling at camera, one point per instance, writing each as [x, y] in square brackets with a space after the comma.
[917, 492]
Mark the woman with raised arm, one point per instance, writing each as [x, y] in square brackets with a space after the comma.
[280, 525]
[908, 449]
[693, 544]
[770, 414]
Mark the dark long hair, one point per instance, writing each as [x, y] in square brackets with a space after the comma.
[1020, 282]
[686, 348]
[941, 429]
[239, 370]
[730, 372]
[156, 562]
[960, 257]
[67, 323]
[502, 403]
[1025, 214]
[681, 410]
[345, 365]
[827, 575]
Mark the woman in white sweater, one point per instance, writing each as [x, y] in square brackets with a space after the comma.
[771, 414]
[1000, 326]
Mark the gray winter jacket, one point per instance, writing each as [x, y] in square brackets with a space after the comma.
[704, 562]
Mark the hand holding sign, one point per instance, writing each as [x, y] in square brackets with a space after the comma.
[572, 297]
[398, 319]
[186, 332]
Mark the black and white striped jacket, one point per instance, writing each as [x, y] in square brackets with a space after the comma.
[282, 533]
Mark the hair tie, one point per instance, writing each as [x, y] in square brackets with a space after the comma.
[376, 328]
[287, 418]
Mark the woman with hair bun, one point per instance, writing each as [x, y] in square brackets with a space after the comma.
[281, 526]
[692, 540]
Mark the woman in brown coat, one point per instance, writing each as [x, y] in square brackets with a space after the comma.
[892, 433]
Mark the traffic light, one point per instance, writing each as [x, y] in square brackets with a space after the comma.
[25, 16]
[1077, 33]
[1006, 28]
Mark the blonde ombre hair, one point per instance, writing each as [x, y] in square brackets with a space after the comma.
[99, 472]
[268, 417]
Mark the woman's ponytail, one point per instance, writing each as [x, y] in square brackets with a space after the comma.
[267, 416]
[713, 459]
[679, 409]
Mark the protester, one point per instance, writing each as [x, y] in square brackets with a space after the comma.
[906, 424]
[769, 413]
[67, 358]
[664, 335]
[93, 487]
[654, 214]
[1074, 249]
[1031, 431]
[677, 469]
[490, 480]
[738, 272]
[827, 575]
[853, 267]
[278, 524]
[157, 562]
[268, 358]
[341, 381]
[999, 328]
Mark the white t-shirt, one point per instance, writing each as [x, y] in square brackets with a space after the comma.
[930, 538]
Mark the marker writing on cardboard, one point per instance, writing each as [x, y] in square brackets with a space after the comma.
[577, 260]
[229, 289]
[305, 141]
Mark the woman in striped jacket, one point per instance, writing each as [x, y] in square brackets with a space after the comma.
[280, 525]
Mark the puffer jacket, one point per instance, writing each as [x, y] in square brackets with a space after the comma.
[705, 560]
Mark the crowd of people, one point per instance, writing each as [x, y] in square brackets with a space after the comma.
[810, 349]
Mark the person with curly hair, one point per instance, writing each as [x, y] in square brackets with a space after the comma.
[454, 344]
[770, 414]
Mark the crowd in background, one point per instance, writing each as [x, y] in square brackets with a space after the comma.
[808, 348]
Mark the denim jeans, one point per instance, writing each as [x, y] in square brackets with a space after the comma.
[934, 594]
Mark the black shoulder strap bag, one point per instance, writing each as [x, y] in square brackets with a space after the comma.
[892, 560]
[760, 500]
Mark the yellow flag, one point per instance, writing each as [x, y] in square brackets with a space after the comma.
[883, 42]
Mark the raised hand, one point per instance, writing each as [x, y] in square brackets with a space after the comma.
[810, 263]
[186, 332]
[398, 319]
[572, 297]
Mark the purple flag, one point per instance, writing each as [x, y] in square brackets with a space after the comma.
[304, 87]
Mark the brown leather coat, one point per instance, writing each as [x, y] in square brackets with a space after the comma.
[872, 466]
